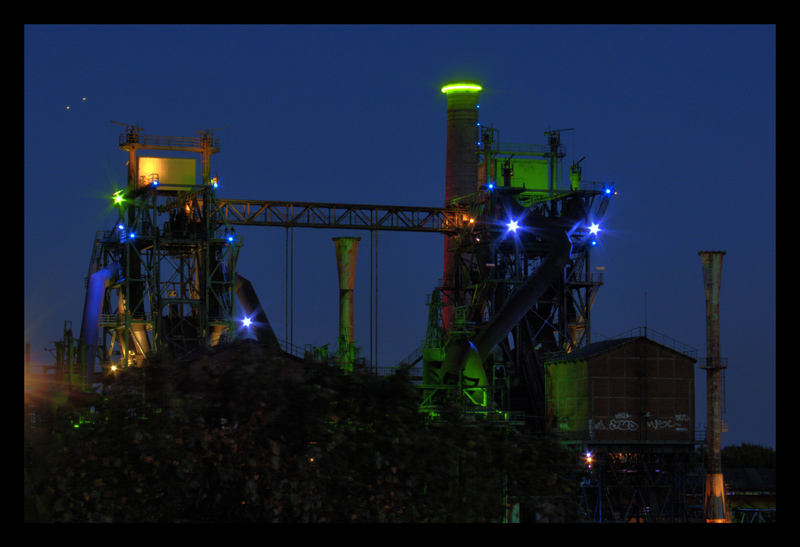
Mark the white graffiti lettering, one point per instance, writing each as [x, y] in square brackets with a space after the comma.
[623, 425]
[625, 422]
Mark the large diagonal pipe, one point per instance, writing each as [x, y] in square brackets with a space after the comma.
[529, 292]
[468, 357]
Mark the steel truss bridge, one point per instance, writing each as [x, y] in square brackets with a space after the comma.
[291, 214]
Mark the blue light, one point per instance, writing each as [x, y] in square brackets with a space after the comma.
[246, 321]
[594, 228]
[491, 186]
[608, 190]
[594, 242]
[512, 226]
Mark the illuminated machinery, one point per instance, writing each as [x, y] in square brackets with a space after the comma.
[517, 284]
[516, 281]
[164, 276]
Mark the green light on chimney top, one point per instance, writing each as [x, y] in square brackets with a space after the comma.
[461, 86]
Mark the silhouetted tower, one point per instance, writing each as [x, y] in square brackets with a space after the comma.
[715, 506]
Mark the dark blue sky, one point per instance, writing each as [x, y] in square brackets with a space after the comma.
[681, 118]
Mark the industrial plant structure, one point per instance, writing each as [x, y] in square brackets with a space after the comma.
[509, 326]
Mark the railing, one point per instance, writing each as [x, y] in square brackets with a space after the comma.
[706, 363]
[594, 186]
[655, 336]
[115, 320]
[291, 349]
[167, 142]
[587, 278]
[412, 357]
[525, 149]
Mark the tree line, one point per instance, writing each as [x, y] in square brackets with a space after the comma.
[234, 440]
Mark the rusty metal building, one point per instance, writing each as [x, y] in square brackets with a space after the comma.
[628, 404]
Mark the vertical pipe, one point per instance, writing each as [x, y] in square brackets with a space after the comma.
[715, 505]
[346, 251]
[461, 176]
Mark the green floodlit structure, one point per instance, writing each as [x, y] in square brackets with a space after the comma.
[516, 283]
[513, 302]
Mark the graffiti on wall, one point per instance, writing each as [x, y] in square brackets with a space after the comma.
[626, 422]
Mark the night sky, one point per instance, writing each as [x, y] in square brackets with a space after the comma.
[680, 118]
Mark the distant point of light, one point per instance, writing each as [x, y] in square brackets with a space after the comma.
[594, 242]
[118, 197]
[491, 186]
[594, 228]
[461, 86]
[513, 225]
[246, 321]
[608, 190]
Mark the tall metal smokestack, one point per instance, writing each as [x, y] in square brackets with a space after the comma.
[715, 504]
[461, 177]
[346, 251]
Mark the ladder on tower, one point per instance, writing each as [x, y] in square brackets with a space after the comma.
[94, 263]
[577, 268]
[601, 209]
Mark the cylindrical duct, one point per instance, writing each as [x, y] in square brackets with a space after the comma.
[715, 506]
[461, 176]
[92, 311]
[346, 251]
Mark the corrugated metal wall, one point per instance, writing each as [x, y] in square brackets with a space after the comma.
[637, 391]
